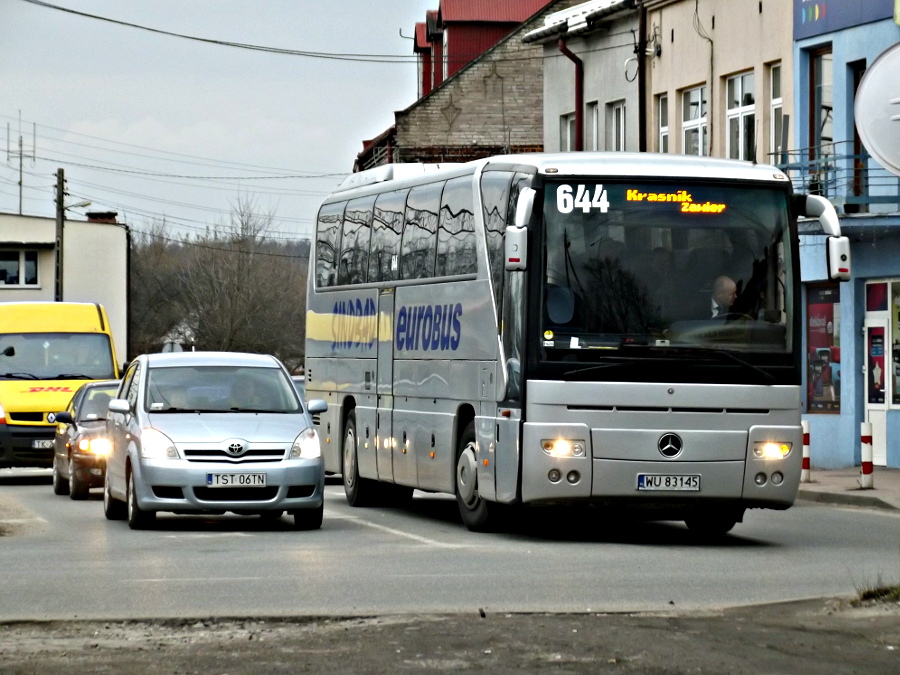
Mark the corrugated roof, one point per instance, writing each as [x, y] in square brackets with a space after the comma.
[422, 41]
[513, 11]
[578, 19]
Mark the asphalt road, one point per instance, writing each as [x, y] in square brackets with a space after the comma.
[64, 560]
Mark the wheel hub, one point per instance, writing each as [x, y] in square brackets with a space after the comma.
[466, 477]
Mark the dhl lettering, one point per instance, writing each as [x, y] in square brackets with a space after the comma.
[679, 196]
[429, 327]
[708, 207]
[353, 324]
[38, 390]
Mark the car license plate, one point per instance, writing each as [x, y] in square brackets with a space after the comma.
[655, 481]
[236, 480]
[42, 445]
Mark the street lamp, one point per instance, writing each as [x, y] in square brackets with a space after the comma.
[78, 205]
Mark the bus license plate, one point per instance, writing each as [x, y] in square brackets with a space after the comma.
[236, 480]
[655, 481]
[42, 445]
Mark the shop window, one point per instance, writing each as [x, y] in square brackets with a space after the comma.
[876, 297]
[823, 341]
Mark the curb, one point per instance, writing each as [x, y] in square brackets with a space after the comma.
[845, 499]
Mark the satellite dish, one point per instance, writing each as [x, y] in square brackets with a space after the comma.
[877, 109]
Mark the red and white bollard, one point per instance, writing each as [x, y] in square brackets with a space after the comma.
[865, 439]
[804, 472]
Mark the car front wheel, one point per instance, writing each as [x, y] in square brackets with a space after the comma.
[60, 484]
[138, 518]
[113, 508]
[78, 487]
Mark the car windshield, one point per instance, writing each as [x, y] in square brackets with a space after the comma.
[95, 403]
[220, 389]
[56, 356]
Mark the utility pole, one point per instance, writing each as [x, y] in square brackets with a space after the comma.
[60, 217]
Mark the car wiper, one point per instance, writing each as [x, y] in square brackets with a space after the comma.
[175, 409]
[20, 376]
[253, 410]
[71, 376]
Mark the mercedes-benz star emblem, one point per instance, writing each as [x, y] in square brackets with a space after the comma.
[670, 445]
[235, 448]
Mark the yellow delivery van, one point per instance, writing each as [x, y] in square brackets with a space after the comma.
[47, 351]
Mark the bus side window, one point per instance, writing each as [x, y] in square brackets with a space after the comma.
[355, 241]
[495, 197]
[387, 227]
[456, 231]
[328, 230]
[418, 245]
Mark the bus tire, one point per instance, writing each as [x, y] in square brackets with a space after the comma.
[712, 526]
[477, 514]
[359, 491]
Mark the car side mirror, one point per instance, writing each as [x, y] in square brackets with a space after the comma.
[120, 405]
[9, 351]
[63, 418]
[316, 406]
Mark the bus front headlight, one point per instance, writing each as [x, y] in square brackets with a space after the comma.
[771, 450]
[306, 445]
[156, 445]
[562, 447]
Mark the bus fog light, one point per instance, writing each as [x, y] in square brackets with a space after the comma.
[771, 450]
[554, 475]
[562, 447]
[573, 477]
[777, 478]
[760, 478]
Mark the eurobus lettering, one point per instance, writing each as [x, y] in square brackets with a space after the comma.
[432, 327]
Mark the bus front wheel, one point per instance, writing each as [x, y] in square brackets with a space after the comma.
[359, 491]
[712, 526]
[477, 514]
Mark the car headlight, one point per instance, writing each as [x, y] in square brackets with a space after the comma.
[95, 446]
[561, 447]
[156, 445]
[306, 445]
[771, 450]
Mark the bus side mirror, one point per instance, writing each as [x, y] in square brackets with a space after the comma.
[838, 256]
[515, 248]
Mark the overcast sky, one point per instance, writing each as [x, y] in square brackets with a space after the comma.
[124, 111]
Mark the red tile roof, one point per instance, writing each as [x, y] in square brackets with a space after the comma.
[422, 41]
[513, 11]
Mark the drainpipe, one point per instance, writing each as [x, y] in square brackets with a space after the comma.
[579, 94]
[642, 80]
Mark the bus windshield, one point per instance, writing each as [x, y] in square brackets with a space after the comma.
[56, 356]
[665, 264]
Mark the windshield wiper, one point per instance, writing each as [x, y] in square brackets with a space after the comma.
[174, 409]
[71, 376]
[624, 361]
[733, 357]
[20, 376]
[253, 410]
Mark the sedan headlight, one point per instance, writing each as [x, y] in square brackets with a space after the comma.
[306, 445]
[771, 450]
[95, 446]
[561, 447]
[156, 445]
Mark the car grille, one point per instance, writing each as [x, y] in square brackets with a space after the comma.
[237, 494]
[26, 416]
[264, 455]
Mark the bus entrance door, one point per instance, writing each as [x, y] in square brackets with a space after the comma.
[385, 379]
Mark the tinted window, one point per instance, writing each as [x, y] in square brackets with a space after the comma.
[355, 241]
[384, 262]
[328, 229]
[417, 250]
[495, 197]
[456, 232]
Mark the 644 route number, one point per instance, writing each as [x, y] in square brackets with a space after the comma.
[569, 197]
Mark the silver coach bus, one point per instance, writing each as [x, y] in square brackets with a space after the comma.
[606, 328]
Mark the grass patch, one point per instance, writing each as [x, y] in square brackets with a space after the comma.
[880, 594]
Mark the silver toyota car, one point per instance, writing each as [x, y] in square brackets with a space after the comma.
[210, 432]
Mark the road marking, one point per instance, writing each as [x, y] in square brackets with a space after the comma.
[207, 536]
[194, 579]
[399, 533]
[19, 521]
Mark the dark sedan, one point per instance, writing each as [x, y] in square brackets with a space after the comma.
[80, 445]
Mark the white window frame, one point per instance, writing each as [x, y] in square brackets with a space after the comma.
[617, 126]
[594, 117]
[694, 124]
[662, 111]
[567, 132]
[21, 269]
[740, 112]
[445, 57]
[776, 104]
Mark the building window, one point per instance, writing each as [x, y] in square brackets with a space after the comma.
[594, 117]
[821, 128]
[741, 116]
[567, 132]
[776, 115]
[445, 66]
[18, 268]
[693, 121]
[823, 341]
[663, 124]
[617, 126]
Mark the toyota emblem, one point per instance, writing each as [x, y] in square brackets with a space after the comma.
[670, 445]
[235, 448]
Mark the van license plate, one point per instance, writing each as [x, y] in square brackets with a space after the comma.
[42, 445]
[236, 480]
[655, 481]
